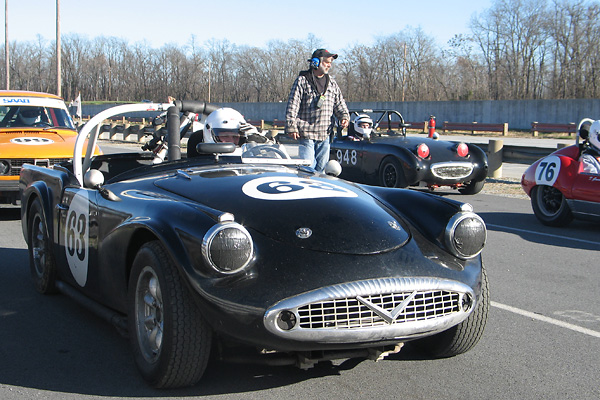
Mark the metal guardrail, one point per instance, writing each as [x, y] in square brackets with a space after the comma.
[520, 154]
[510, 153]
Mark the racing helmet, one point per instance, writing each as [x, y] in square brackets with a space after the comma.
[223, 126]
[30, 115]
[359, 129]
[594, 135]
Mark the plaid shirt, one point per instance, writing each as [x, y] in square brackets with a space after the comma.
[302, 114]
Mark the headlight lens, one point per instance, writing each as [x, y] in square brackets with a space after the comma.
[423, 150]
[466, 235]
[4, 167]
[462, 150]
[228, 247]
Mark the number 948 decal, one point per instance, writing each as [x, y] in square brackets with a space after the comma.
[547, 171]
[348, 157]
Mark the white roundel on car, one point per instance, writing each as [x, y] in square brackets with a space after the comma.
[547, 171]
[293, 188]
[31, 141]
[77, 236]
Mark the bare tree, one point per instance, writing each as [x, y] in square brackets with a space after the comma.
[517, 49]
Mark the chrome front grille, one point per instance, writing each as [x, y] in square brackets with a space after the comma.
[452, 170]
[350, 313]
[17, 163]
[372, 310]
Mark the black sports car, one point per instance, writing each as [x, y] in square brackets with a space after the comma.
[390, 158]
[260, 253]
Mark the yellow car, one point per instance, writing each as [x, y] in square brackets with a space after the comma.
[35, 128]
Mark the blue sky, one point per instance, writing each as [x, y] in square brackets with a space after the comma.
[340, 24]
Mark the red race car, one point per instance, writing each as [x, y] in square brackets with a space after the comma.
[566, 184]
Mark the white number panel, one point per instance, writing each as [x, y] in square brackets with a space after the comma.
[547, 171]
[291, 188]
[77, 238]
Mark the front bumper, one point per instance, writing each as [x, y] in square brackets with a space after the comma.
[9, 190]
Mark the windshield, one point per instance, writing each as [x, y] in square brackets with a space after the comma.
[272, 154]
[20, 116]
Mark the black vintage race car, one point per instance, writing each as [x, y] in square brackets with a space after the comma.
[200, 255]
[390, 158]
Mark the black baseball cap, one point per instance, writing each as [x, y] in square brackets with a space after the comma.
[323, 53]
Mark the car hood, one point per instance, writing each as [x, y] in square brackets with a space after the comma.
[411, 142]
[36, 143]
[313, 212]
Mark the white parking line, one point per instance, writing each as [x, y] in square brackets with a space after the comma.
[508, 228]
[543, 318]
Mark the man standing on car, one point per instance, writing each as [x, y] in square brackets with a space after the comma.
[314, 99]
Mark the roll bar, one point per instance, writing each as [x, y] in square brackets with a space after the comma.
[81, 164]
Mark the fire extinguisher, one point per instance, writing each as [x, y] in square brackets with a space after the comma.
[431, 126]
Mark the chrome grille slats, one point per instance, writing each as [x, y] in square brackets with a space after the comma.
[350, 313]
[17, 163]
[451, 170]
[377, 309]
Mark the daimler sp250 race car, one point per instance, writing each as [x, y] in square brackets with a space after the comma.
[244, 249]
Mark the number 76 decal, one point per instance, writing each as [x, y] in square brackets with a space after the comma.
[547, 171]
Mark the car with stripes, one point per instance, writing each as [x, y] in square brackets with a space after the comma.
[248, 257]
[35, 128]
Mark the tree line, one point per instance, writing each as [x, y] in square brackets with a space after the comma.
[516, 49]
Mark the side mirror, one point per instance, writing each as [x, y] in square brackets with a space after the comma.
[333, 168]
[93, 179]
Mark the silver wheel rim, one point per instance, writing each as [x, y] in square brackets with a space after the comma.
[149, 314]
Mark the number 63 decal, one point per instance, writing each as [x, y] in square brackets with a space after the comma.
[77, 238]
[547, 171]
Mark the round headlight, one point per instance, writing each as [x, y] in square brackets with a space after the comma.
[228, 247]
[4, 167]
[462, 149]
[423, 150]
[465, 235]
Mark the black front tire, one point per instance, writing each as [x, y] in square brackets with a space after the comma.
[463, 337]
[169, 337]
[550, 206]
[39, 246]
[472, 187]
[391, 174]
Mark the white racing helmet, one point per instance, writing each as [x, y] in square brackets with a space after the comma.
[594, 136]
[363, 132]
[30, 115]
[223, 125]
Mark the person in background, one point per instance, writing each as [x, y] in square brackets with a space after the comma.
[360, 128]
[315, 98]
[29, 116]
[590, 157]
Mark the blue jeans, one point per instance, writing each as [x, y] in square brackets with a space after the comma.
[315, 150]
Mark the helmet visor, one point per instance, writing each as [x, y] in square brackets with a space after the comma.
[227, 136]
[30, 112]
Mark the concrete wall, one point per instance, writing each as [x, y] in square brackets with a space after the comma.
[518, 113]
